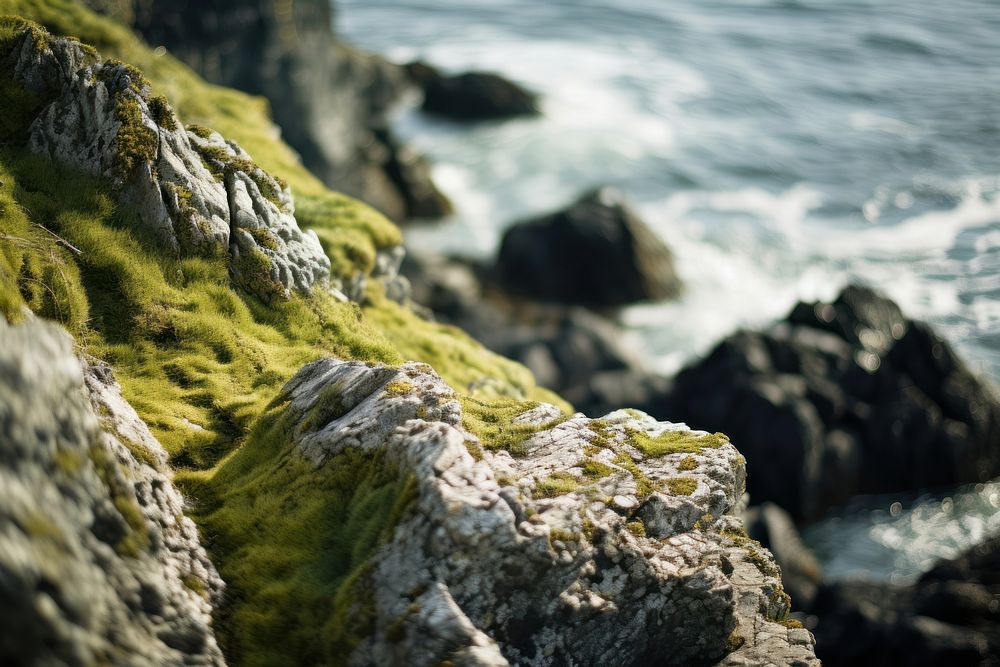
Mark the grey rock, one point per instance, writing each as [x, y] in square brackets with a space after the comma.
[330, 99]
[596, 252]
[492, 566]
[192, 194]
[98, 563]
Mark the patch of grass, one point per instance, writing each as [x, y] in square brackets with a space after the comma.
[294, 544]
[674, 442]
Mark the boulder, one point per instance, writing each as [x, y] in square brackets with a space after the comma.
[597, 252]
[330, 99]
[471, 96]
[193, 192]
[98, 563]
[580, 354]
[583, 540]
[843, 398]
[950, 616]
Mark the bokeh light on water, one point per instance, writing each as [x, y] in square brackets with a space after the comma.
[885, 538]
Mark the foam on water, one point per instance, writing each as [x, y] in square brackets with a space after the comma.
[782, 150]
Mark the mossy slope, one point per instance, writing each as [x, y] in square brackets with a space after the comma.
[202, 362]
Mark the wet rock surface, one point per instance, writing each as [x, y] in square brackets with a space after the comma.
[843, 398]
[597, 252]
[578, 543]
[471, 96]
[98, 564]
[951, 616]
[191, 190]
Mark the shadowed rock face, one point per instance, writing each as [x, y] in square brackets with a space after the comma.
[578, 548]
[98, 563]
[193, 191]
[843, 398]
[471, 96]
[597, 252]
[951, 616]
[330, 100]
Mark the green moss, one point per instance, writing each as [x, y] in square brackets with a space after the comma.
[637, 528]
[397, 388]
[491, 420]
[735, 641]
[199, 130]
[135, 144]
[687, 464]
[194, 583]
[294, 544]
[136, 537]
[595, 469]
[790, 623]
[643, 487]
[681, 486]
[557, 484]
[753, 550]
[674, 442]
[163, 115]
[559, 535]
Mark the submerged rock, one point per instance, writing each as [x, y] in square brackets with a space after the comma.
[192, 191]
[471, 95]
[843, 398]
[950, 616]
[569, 539]
[597, 252]
[98, 564]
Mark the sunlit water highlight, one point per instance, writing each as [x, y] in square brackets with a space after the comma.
[781, 147]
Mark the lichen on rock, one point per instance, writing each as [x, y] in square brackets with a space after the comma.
[489, 566]
[102, 119]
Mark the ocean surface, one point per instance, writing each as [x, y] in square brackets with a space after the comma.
[781, 147]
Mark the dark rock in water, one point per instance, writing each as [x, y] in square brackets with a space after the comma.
[951, 616]
[597, 252]
[843, 398]
[578, 353]
[329, 99]
[472, 95]
[801, 572]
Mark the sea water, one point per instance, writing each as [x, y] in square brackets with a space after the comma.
[781, 147]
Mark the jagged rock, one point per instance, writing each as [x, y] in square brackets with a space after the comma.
[843, 398]
[98, 563]
[801, 572]
[331, 100]
[193, 191]
[571, 547]
[597, 252]
[951, 616]
[471, 95]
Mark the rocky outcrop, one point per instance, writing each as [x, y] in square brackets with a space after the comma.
[98, 564]
[192, 191]
[568, 539]
[951, 616]
[843, 398]
[330, 100]
[801, 572]
[597, 253]
[471, 96]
